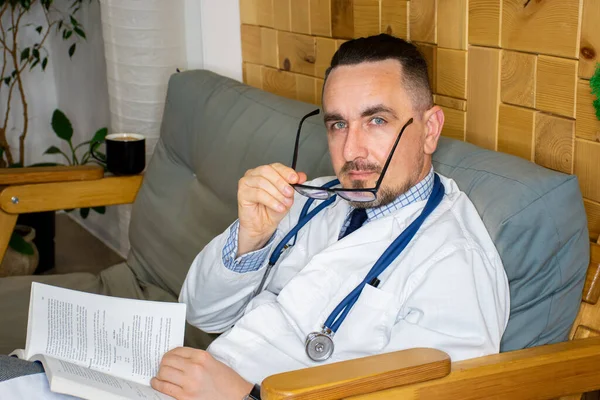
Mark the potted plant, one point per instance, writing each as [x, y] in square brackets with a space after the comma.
[18, 59]
[23, 47]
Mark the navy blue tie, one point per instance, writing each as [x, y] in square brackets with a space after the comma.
[357, 219]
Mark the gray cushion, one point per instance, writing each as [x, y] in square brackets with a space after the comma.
[215, 128]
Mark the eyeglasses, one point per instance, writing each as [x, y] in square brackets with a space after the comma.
[358, 195]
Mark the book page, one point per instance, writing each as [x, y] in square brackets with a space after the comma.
[121, 337]
[69, 378]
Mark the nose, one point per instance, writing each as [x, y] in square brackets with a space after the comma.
[355, 144]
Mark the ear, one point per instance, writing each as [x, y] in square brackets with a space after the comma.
[433, 119]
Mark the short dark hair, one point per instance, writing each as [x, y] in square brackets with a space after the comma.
[384, 47]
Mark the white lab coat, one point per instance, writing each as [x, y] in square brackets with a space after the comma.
[446, 290]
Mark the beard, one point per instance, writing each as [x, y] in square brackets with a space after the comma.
[385, 194]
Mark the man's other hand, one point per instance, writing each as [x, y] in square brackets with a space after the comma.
[187, 374]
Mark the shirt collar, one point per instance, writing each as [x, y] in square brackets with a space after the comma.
[421, 191]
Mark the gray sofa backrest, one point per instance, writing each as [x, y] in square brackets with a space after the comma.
[215, 128]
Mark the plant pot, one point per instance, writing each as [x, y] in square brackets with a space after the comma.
[15, 263]
[44, 225]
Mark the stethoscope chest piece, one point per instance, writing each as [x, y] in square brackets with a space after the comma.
[319, 345]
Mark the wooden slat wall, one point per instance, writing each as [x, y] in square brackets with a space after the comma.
[511, 75]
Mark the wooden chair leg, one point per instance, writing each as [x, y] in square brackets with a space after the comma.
[7, 225]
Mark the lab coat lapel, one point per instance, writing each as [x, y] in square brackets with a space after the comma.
[380, 229]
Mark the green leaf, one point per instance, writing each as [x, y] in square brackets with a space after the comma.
[19, 244]
[36, 53]
[79, 31]
[25, 54]
[46, 164]
[72, 50]
[32, 66]
[53, 150]
[100, 210]
[61, 125]
[7, 80]
[60, 24]
[39, 29]
[67, 34]
[56, 150]
[100, 135]
[84, 212]
[73, 21]
[44, 63]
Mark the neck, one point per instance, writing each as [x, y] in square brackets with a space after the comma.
[425, 170]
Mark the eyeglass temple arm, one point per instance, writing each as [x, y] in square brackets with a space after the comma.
[295, 158]
[387, 163]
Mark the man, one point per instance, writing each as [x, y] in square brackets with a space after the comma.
[445, 289]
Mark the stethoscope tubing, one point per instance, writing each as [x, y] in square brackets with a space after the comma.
[338, 315]
[335, 319]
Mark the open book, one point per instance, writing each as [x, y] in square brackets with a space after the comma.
[100, 347]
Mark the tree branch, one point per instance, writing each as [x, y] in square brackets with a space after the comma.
[20, 87]
[3, 38]
[7, 151]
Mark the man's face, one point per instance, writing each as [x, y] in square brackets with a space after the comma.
[365, 108]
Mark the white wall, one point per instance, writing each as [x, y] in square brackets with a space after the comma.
[82, 93]
[220, 37]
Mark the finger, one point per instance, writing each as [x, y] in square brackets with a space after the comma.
[289, 174]
[172, 375]
[186, 352]
[278, 180]
[256, 196]
[302, 177]
[261, 183]
[167, 388]
[177, 362]
[196, 355]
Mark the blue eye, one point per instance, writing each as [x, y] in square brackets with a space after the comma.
[378, 121]
[339, 125]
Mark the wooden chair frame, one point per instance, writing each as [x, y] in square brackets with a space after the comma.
[544, 372]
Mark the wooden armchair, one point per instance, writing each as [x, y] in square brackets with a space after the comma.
[215, 128]
[542, 372]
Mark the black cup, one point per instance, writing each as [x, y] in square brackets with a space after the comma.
[125, 153]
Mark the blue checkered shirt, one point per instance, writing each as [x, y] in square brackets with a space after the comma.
[254, 260]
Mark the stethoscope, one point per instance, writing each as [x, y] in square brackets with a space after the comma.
[319, 345]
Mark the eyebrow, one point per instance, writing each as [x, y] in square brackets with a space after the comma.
[367, 112]
[376, 109]
[332, 117]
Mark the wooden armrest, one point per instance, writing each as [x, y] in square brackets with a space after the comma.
[544, 372]
[17, 176]
[591, 289]
[21, 199]
[65, 195]
[361, 375]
